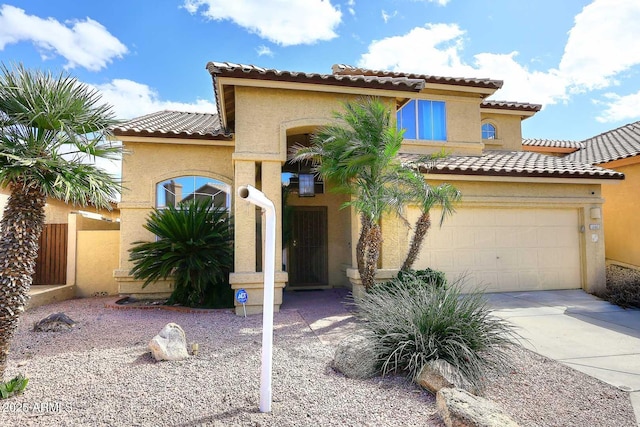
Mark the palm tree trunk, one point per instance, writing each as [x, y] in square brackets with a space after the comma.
[422, 226]
[374, 242]
[361, 246]
[20, 230]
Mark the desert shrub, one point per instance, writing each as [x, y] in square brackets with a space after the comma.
[194, 246]
[428, 276]
[623, 286]
[415, 324]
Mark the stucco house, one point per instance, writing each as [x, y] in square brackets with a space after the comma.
[618, 149]
[527, 220]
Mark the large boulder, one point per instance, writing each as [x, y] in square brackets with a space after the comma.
[356, 356]
[459, 408]
[57, 322]
[169, 344]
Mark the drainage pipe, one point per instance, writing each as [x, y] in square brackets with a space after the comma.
[258, 198]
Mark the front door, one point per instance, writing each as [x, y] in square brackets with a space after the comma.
[308, 265]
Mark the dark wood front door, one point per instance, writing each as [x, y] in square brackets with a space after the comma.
[308, 265]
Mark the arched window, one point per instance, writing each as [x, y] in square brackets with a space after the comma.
[185, 188]
[488, 131]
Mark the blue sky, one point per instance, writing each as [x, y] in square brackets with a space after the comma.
[579, 58]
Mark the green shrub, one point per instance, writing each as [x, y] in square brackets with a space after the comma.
[13, 386]
[416, 324]
[194, 246]
[428, 276]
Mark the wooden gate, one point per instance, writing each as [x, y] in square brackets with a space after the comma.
[51, 265]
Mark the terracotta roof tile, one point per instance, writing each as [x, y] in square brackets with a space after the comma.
[349, 70]
[613, 145]
[174, 124]
[555, 143]
[507, 105]
[252, 71]
[513, 163]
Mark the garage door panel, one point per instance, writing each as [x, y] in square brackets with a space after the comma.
[508, 249]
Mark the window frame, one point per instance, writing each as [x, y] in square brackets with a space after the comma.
[495, 130]
[415, 128]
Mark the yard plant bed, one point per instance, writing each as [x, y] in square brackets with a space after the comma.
[101, 373]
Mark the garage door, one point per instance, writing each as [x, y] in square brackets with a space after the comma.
[507, 249]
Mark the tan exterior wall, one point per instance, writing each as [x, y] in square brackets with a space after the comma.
[146, 165]
[620, 214]
[97, 257]
[508, 132]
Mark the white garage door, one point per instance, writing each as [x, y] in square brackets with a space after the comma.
[507, 249]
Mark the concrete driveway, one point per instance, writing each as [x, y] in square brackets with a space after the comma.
[580, 330]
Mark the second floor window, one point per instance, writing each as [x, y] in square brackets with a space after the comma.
[488, 131]
[423, 119]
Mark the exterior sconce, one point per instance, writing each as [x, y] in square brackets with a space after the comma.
[596, 213]
[306, 185]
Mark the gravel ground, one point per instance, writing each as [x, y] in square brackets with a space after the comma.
[101, 373]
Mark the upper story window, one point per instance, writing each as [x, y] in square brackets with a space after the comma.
[488, 131]
[423, 119]
[185, 188]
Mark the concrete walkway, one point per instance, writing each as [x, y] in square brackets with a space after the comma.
[575, 328]
[582, 331]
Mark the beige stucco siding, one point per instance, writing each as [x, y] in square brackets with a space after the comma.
[508, 131]
[148, 164]
[620, 213]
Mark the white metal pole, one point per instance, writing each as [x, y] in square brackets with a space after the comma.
[258, 198]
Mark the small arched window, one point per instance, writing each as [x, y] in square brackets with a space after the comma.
[488, 131]
[185, 188]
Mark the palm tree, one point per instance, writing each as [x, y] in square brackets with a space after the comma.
[425, 197]
[358, 155]
[194, 247]
[52, 129]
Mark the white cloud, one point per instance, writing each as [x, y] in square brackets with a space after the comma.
[602, 44]
[285, 22]
[619, 108]
[85, 43]
[440, 2]
[387, 16]
[264, 51]
[351, 6]
[131, 99]
[601, 47]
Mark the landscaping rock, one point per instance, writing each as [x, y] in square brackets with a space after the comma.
[459, 408]
[57, 322]
[437, 374]
[169, 344]
[356, 356]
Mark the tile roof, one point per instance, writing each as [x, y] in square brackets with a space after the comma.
[343, 69]
[512, 163]
[554, 143]
[175, 124]
[507, 105]
[229, 69]
[615, 144]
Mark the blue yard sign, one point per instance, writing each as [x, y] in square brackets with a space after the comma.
[241, 296]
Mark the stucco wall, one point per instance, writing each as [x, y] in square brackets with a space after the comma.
[620, 214]
[146, 165]
[97, 257]
[508, 132]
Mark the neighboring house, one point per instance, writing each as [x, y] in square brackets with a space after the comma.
[527, 221]
[618, 149]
